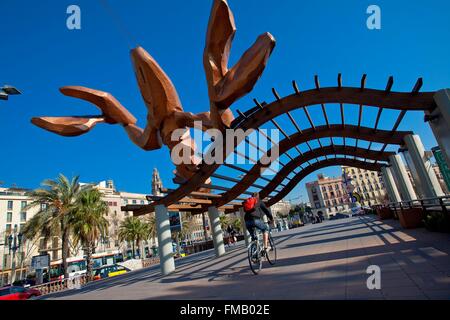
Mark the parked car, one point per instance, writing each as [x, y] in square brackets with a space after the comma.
[18, 293]
[25, 283]
[339, 216]
[109, 271]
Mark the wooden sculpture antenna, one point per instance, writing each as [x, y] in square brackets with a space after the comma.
[165, 112]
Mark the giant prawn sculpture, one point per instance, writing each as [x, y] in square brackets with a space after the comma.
[165, 112]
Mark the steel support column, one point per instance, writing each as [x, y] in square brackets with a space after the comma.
[401, 178]
[165, 250]
[439, 120]
[427, 184]
[389, 182]
[217, 234]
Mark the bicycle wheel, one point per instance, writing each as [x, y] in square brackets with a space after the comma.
[254, 258]
[271, 255]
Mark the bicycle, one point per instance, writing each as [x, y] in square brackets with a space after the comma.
[256, 252]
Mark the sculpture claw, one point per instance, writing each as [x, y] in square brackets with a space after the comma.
[112, 111]
[241, 79]
[67, 126]
[225, 85]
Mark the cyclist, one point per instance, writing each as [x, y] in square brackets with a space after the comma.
[254, 209]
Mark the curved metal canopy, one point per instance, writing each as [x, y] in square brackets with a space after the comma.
[258, 116]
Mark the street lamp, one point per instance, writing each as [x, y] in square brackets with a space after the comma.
[14, 244]
[6, 90]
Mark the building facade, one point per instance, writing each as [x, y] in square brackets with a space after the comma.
[327, 196]
[13, 216]
[281, 208]
[368, 184]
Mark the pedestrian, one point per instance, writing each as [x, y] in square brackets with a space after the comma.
[231, 235]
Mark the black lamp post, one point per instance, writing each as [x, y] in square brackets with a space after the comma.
[6, 91]
[14, 243]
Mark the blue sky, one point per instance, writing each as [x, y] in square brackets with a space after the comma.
[39, 54]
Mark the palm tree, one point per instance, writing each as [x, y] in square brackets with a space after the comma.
[224, 221]
[57, 204]
[236, 223]
[89, 223]
[151, 228]
[188, 225]
[133, 230]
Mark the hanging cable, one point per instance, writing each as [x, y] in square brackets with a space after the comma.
[119, 24]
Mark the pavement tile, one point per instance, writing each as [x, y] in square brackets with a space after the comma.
[437, 294]
[320, 262]
[401, 292]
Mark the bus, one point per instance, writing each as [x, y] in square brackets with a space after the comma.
[76, 266]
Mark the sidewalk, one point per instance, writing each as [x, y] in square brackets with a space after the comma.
[321, 261]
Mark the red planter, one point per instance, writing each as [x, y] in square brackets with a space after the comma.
[411, 218]
[385, 213]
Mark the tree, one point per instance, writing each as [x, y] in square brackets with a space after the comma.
[236, 222]
[57, 203]
[187, 226]
[224, 221]
[152, 231]
[133, 230]
[89, 223]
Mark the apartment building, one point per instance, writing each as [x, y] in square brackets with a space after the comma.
[327, 195]
[13, 216]
[281, 208]
[368, 184]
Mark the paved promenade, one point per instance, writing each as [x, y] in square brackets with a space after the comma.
[322, 261]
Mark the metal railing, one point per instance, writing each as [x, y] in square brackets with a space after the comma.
[149, 262]
[61, 285]
[427, 204]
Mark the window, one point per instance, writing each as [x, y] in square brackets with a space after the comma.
[43, 206]
[22, 225]
[330, 188]
[142, 201]
[115, 203]
[55, 242]
[315, 198]
[134, 201]
[23, 204]
[10, 205]
[42, 244]
[23, 216]
[317, 205]
[9, 217]
[336, 187]
[313, 190]
[8, 228]
[324, 188]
